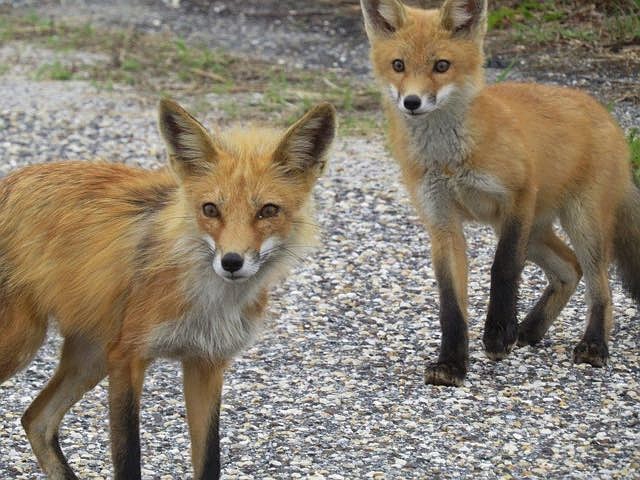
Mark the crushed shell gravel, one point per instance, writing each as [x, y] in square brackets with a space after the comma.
[334, 387]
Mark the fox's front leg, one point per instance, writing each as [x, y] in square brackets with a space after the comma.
[448, 249]
[202, 391]
[501, 325]
[126, 377]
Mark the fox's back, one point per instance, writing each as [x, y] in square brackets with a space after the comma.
[69, 232]
[567, 136]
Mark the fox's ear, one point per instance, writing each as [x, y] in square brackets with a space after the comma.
[465, 18]
[304, 146]
[191, 150]
[382, 17]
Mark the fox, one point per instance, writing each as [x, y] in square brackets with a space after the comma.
[133, 265]
[515, 156]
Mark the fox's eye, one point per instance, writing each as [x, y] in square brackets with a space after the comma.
[268, 211]
[210, 210]
[398, 65]
[442, 66]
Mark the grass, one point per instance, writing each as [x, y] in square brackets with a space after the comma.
[610, 22]
[161, 64]
[634, 144]
[506, 72]
[54, 71]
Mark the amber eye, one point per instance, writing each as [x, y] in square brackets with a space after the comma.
[442, 66]
[210, 210]
[269, 210]
[398, 65]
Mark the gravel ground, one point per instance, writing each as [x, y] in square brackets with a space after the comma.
[248, 28]
[334, 388]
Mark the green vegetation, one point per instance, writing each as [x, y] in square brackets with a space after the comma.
[505, 73]
[543, 21]
[634, 145]
[527, 10]
[54, 71]
[161, 64]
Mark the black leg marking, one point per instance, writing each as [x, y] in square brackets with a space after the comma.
[501, 326]
[55, 445]
[592, 349]
[534, 326]
[451, 367]
[127, 454]
[211, 467]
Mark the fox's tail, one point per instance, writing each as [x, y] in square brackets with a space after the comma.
[22, 332]
[627, 242]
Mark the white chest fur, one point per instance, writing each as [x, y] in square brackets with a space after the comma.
[213, 327]
[467, 193]
[440, 141]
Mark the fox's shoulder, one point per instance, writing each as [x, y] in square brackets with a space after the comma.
[78, 182]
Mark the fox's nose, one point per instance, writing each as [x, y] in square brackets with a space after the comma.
[232, 262]
[412, 102]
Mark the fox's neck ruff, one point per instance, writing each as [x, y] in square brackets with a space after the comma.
[214, 323]
[439, 138]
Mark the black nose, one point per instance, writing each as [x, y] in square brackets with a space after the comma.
[232, 262]
[412, 102]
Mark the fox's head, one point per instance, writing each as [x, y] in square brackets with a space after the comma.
[426, 59]
[248, 190]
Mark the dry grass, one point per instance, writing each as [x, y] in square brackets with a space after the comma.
[167, 65]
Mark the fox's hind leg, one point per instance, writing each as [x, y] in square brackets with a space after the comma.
[589, 234]
[563, 272]
[82, 366]
[22, 331]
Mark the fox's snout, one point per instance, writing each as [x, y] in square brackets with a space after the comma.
[234, 266]
[417, 103]
[238, 264]
[232, 262]
[412, 102]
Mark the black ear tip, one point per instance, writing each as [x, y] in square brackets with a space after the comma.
[324, 108]
[327, 111]
[169, 113]
[168, 105]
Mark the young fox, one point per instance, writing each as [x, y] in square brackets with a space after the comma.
[136, 264]
[514, 156]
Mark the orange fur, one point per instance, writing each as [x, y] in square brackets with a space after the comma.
[129, 265]
[512, 155]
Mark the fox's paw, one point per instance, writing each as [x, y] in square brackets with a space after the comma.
[499, 340]
[593, 353]
[448, 374]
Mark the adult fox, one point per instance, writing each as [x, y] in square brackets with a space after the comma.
[515, 156]
[136, 264]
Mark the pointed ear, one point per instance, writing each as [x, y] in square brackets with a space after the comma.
[465, 18]
[191, 150]
[304, 146]
[382, 17]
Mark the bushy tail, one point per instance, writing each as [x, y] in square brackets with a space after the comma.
[627, 243]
